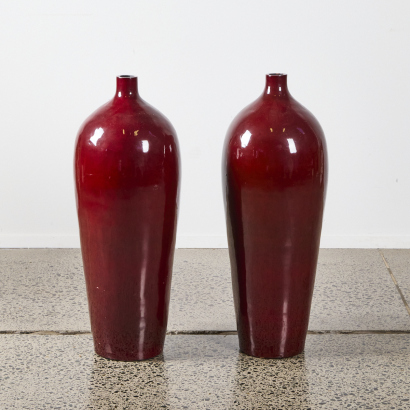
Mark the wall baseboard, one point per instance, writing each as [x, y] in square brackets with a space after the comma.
[39, 241]
[365, 241]
[202, 241]
[208, 241]
[327, 241]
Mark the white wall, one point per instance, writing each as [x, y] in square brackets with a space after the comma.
[200, 63]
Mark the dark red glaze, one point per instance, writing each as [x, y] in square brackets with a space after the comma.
[127, 171]
[274, 180]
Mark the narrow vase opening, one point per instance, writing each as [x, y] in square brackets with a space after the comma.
[276, 85]
[127, 86]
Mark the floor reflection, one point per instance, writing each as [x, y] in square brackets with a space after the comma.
[271, 383]
[200, 372]
[124, 385]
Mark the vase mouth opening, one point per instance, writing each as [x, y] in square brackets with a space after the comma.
[276, 74]
[127, 76]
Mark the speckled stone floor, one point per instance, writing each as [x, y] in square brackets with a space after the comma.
[357, 353]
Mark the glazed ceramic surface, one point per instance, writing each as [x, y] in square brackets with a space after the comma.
[127, 170]
[274, 180]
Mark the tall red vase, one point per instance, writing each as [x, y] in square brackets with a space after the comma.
[127, 171]
[274, 180]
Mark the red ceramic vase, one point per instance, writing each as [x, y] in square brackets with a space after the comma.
[127, 171]
[274, 181]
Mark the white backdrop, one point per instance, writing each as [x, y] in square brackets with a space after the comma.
[200, 63]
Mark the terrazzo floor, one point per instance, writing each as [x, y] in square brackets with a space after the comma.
[357, 353]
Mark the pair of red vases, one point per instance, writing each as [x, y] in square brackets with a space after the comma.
[127, 172]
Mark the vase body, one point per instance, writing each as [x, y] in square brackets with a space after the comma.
[127, 171]
[274, 180]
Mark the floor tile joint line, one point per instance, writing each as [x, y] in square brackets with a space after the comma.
[406, 305]
[208, 332]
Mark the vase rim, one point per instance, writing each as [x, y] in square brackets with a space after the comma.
[276, 74]
[126, 76]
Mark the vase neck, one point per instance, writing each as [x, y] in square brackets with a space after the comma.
[276, 85]
[127, 87]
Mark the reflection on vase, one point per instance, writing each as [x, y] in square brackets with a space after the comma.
[128, 385]
[270, 383]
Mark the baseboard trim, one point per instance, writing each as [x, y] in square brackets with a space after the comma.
[39, 241]
[208, 241]
[365, 241]
[327, 241]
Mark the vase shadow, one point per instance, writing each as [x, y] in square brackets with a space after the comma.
[271, 383]
[139, 385]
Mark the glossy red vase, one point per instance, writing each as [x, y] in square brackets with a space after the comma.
[127, 171]
[274, 180]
